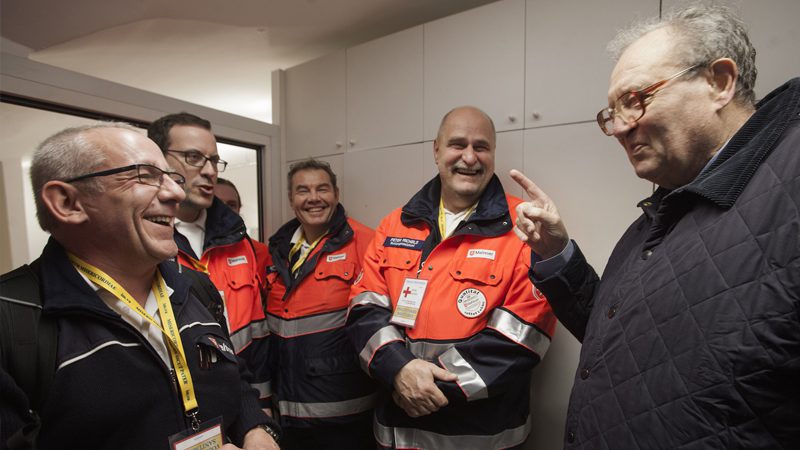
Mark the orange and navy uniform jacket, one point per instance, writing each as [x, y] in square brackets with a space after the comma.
[480, 318]
[230, 261]
[316, 377]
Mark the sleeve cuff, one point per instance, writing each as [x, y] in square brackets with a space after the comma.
[547, 268]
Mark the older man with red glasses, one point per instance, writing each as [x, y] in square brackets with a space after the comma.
[691, 338]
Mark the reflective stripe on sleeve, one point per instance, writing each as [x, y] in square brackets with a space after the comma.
[518, 331]
[468, 379]
[428, 351]
[327, 409]
[264, 389]
[371, 298]
[416, 438]
[306, 325]
[245, 335]
[381, 337]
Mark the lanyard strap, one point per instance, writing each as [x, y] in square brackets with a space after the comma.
[443, 219]
[171, 334]
[303, 254]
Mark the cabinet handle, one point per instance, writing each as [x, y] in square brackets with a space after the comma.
[512, 118]
[536, 115]
[352, 142]
[338, 144]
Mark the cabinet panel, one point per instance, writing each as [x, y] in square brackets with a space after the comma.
[589, 178]
[772, 27]
[476, 58]
[315, 107]
[384, 91]
[377, 181]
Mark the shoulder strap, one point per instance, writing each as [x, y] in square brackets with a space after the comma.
[28, 339]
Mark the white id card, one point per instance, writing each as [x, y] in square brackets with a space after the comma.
[405, 313]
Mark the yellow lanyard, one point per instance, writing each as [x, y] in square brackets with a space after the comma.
[303, 255]
[172, 334]
[443, 220]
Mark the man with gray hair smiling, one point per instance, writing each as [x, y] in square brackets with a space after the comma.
[104, 343]
[691, 338]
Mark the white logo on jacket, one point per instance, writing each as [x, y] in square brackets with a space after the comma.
[481, 253]
[334, 258]
[237, 260]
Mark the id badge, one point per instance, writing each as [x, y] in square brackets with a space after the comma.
[409, 303]
[208, 437]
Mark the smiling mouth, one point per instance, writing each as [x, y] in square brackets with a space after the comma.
[467, 172]
[161, 220]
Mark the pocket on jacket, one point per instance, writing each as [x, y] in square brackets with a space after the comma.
[242, 278]
[216, 345]
[477, 270]
[338, 269]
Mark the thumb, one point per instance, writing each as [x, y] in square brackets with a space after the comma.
[442, 374]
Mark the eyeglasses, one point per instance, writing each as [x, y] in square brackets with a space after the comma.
[630, 106]
[197, 159]
[146, 174]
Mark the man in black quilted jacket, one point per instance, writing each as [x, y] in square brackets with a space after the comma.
[691, 339]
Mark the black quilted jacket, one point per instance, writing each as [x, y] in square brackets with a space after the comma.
[691, 339]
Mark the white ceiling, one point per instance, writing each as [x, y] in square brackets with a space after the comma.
[217, 53]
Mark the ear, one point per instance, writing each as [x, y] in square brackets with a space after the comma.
[61, 199]
[723, 81]
[436, 150]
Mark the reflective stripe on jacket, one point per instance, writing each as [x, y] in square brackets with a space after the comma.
[480, 318]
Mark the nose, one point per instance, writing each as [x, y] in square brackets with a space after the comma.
[469, 156]
[171, 191]
[209, 169]
[622, 127]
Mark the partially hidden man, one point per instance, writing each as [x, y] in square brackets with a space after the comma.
[211, 237]
[323, 398]
[136, 360]
[444, 316]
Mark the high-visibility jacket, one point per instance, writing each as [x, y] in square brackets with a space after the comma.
[480, 318]
[316, 378]
[230, 261]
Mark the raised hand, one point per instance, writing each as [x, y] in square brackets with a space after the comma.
[538, 222]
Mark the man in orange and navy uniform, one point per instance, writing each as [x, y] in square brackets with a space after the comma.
[323, 398]
[444, 315]
[213, 239]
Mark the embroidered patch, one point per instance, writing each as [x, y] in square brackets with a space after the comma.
[238, 260]
[471, 303]
[334, 258]
[401, 242]
[481, 253]
[221, 345]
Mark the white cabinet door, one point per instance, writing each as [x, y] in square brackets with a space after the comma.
[567, 66]
[476, 58]
[377, 181]
[384, 91]
[772, 27]
[315, 107]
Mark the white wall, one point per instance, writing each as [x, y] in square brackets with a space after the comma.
[539, 68]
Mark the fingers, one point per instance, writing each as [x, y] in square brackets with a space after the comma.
[533, 191]
[442, 374]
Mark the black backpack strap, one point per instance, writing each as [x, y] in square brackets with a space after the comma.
[28, 339]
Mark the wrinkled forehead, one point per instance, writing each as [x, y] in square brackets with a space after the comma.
[122, 146]
[647, 60]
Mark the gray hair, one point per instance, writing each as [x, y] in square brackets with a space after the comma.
[310, 164]
[68, 154]
[705, 33]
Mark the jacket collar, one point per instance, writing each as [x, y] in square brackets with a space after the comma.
[222, 227]
[491, 215]
[339, 234]
[725, 179]
[63, 289]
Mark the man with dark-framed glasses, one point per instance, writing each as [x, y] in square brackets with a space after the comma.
[104, 342]
[691, 339]
[213, 239]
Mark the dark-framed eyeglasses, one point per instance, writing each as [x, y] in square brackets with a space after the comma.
[197, 159]
[145, 173]
[630, 106]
